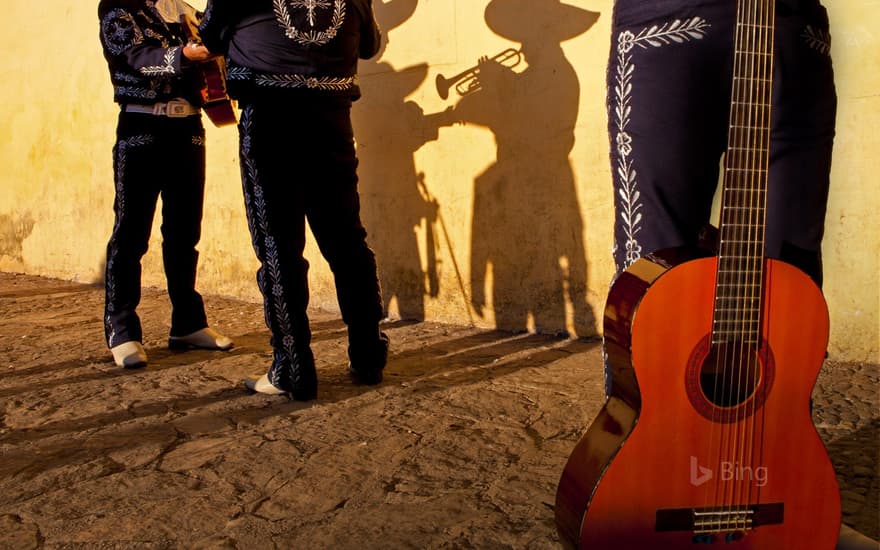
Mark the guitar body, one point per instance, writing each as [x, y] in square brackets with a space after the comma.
[664, 445]
[219, 107]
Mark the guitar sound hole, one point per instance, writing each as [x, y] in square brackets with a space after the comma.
[730, 374]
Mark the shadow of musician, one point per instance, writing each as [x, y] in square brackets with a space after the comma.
[389, 130]
[526, 221]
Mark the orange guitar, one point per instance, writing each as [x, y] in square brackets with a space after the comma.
[706, 438]
[214, 100]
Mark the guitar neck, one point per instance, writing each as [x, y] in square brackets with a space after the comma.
[190, 27]
[744, 188]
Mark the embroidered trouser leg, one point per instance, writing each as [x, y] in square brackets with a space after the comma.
[275, 206]
[183, 193]
[308, 174]
[333, 212]
[669, 83]
[154, 156]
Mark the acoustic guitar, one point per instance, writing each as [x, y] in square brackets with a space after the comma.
[706, 437]
[219, 107]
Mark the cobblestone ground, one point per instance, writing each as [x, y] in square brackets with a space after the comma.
[461, 446]
[847, 414]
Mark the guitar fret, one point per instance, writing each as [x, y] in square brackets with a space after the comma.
[750, 127]
[751, 105]
[754, 78]
[747, 341]
[765, 27]
[735, 169]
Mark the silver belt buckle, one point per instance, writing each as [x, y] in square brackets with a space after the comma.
[176, 108]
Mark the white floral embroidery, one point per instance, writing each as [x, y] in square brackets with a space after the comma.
[311, 82]
[293, 80]
[678, 32]
[119, 31]
[311, 37]
[167, 68]
[270, 280]
[818, 39]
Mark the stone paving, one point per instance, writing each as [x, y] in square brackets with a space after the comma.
[460, 447]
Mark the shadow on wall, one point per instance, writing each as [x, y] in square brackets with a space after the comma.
[389, 131]
[527, 233]
[14, 229]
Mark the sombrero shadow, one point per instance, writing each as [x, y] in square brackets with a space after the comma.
[528, 20]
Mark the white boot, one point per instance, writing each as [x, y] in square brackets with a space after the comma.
[130, 355]
[262, 385]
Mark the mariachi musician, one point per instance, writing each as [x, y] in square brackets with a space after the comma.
[159, 150]
[292, 66]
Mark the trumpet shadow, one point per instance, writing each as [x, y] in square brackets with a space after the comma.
[527, 231]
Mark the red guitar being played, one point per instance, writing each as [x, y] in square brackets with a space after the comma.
[214, 100]
[706, 438]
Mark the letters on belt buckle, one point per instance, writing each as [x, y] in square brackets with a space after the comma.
[176, 108]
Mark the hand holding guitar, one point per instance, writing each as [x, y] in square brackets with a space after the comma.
[217, 104]
[197, 53]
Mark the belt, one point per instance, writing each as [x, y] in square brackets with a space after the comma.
[175, 108]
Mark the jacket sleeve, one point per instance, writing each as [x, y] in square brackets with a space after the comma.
[371, 38]
[214, 26]
[124, 43]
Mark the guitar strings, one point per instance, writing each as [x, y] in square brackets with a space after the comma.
[738, 319]
[720, 351]
[753, 211]
[761, 358]
[738, 256]
[757, 78]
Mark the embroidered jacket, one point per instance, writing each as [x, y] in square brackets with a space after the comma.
[291, 44]
[144, 54]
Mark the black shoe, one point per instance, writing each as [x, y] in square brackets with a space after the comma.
[206, 338]
[367, 361]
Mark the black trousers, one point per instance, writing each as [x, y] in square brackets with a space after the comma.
[669, 82]
[155, 156]
[298, 164]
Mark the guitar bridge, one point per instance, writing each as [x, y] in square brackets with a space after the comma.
[719, 519]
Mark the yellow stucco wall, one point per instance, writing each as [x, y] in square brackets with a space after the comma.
[521, 229]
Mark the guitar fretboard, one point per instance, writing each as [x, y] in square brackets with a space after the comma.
[737, 312]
